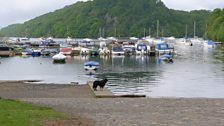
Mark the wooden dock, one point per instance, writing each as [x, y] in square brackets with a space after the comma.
[105, 93]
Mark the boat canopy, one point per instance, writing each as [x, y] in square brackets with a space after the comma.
[210, 42]
[28, 50]
[59, 56]
[91, 63]
[141, 46]
[118, 49]
[162, 46]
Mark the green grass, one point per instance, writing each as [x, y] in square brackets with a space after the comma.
[17, 113]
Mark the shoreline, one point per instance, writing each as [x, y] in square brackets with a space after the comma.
[78, 101]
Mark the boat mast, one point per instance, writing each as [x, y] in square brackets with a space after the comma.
[186, 30]
[144, 32]
[157, 29]
[103, 32]
[100, 34]
[205, 35]
[162, 32]
[194, 29]
[115, 32]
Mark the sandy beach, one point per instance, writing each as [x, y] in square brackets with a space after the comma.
[78, 102]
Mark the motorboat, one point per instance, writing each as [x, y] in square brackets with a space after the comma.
[91, 65]
[163, 48]
[36, 52]
[66, 50]
[117, 51]
[5, 50]
[59, 58]
[141, 49]
[129, 49]
[209, 44]
[84, 51]
[46, 52]
[94, 51]
[76, 50]
[27, 51]
[104, 51]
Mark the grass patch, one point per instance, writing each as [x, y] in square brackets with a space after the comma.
[17, 113]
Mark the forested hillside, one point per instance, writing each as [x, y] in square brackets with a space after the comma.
[115, 17]
[215, 29]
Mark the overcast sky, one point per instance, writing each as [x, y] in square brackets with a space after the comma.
[18, 11]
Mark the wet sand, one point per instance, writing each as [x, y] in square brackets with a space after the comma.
[78, 101]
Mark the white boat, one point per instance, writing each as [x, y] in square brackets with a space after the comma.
[91, 65]
[128, 49]
[133, 38]
[59, 58]
[103, 44]
[85, 51]
[163, 48]
[209, 44]
[141, 49]
[76, 50]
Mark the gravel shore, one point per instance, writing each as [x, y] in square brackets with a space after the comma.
[78, 101]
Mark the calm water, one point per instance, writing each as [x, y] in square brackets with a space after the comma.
[196, 72]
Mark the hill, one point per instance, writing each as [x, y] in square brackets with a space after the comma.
[215, 27]
[115, 17]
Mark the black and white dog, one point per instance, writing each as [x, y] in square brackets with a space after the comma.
[101, 84]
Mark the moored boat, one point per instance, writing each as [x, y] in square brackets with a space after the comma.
[209, 44]
[6, 50]
[91, 65]
[84, 51]
[27, 51]
[93, 51]
[129, 49]
[104, 51]
[117, 51]
[59, 58]
[66, 51]
[163, 48]
[36, 52]
[141, 49]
